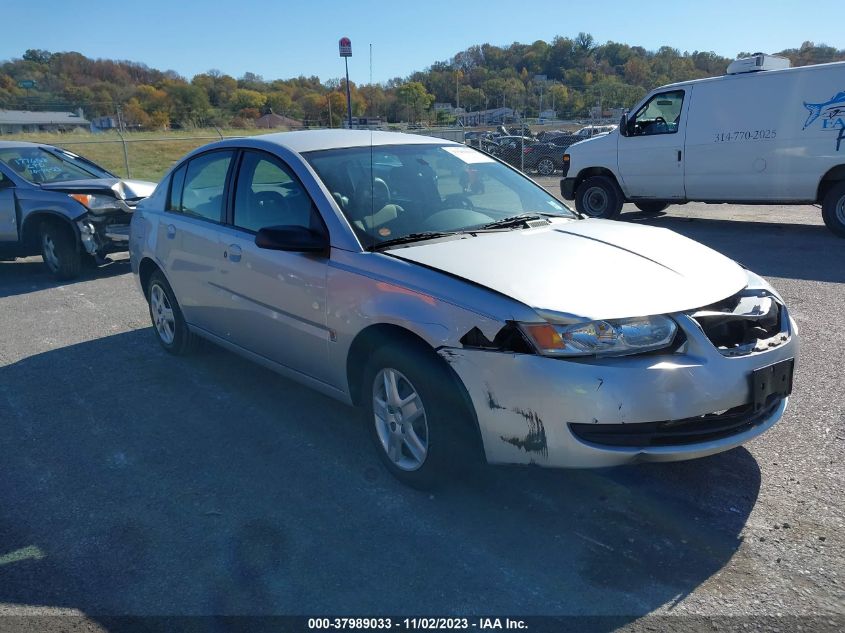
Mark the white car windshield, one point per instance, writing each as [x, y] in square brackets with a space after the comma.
[40, 165]
[390, 192]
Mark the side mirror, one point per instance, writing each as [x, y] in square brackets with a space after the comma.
[623, 125]
[295, 239]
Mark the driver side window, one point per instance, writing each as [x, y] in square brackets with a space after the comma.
[659, 115]
[267, 194]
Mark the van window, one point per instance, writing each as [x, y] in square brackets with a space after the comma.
[659, 115]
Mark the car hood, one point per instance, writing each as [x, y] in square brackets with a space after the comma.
[596, 269]
[122, 189]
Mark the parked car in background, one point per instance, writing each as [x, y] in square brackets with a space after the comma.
[63, 206]
[460, 318]
[709, 140]
[511, 149]
[563, 139]
[544, 158]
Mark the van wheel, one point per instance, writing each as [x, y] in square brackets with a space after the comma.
[415, 416]
[649, 206]
[546, 167]
[833, 209]
[58, 250]
[598, 197]
[168, 323]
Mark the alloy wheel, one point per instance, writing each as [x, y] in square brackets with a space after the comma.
[400, 419]
[162, 314]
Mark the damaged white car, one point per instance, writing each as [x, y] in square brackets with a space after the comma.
[463, 307]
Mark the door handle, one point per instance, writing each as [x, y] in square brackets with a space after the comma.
[171, 231]
[679, 156]
[232, 253]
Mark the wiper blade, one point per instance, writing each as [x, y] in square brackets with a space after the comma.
[513, 220]
[412, 237]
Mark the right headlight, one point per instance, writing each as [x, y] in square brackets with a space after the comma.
[614, 337]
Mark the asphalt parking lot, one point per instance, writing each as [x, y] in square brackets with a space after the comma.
[133, 482]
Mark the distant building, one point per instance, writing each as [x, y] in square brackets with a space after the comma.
[365, 123]
[272, 120]
[448, 108]
[104, 123]
[17, 121]
[611, 113]
[495, 116]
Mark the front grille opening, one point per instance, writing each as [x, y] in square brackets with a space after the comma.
[744, 323]
[702, 428]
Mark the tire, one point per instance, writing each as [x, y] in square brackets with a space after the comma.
[169, 325]
[598, 197]
[433, 446]
[59, 250]
[546, 167]
[833, 209]
[651, 206]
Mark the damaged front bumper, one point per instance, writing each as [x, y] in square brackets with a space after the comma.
[533, 409]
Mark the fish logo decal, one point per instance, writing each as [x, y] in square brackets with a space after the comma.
[836, 104]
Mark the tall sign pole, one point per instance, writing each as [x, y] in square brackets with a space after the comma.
[345, 48]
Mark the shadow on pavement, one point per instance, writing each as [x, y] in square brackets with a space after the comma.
[138, 483]
[771, 249]
[29, 275]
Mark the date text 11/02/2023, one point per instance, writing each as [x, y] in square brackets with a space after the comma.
[420, 623]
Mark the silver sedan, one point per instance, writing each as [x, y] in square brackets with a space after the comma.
[466, 310]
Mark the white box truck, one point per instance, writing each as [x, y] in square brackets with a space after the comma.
[763, 133]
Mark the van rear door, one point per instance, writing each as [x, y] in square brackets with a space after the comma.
[651, 154]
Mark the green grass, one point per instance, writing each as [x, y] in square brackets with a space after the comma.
[150, 154]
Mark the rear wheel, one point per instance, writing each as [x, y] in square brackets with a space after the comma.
[651, 206]
[58, 250]
[168, 323]
[598, 197]
[546, 167]
[416, 417]
[833, 209]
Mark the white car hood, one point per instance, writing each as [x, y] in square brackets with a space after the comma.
[596, 269]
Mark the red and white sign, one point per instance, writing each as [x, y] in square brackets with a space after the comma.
[345, 47]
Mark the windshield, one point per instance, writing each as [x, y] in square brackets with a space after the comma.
[389, 192]
[39, 165]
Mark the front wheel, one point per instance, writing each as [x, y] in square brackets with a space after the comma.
[416, 417]
[58, 250]
[651, 206]
[833, 209]
[598, 197]
[546, 167]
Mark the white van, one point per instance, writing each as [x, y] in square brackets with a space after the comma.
[763, 133]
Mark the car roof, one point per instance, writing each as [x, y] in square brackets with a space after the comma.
[315, 140]
[10, 144]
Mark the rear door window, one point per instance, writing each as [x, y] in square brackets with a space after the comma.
[205, 185]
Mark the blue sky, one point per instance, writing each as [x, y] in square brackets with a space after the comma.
[285, 39]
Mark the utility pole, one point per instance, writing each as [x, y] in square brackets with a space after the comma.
[457, 89]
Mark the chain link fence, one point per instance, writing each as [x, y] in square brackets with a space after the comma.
[536, 149]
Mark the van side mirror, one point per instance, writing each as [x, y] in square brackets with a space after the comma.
[623, 125]
[295, 239]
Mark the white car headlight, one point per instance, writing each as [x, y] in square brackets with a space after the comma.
[614, 337]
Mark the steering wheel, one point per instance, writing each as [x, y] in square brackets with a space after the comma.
[463, 201]
[660, 119]
[381, 193]
[271, 201]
